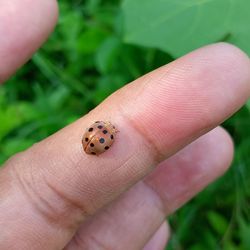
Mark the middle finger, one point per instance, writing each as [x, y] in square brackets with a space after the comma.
[130, 221]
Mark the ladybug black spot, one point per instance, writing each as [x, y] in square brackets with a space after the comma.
[100, 127]
[107, 147]
[86, 139]
[105, 131]
[112, 137]
[102, 140]
[91, 129]
[92, 144]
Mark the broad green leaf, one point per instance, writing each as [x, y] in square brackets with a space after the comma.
[107, 53]
[179, 26]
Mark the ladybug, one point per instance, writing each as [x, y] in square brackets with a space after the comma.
[99, 137]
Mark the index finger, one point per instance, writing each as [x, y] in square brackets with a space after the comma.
[59, 185]
[24, 26]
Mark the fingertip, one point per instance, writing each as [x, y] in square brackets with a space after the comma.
[160, 238]
[53, 8]
[26, 25]
[186, 173]
[223, 147]
[228, 49]
[191, 95]
[229, 62]
[209, 156]
[222, 60]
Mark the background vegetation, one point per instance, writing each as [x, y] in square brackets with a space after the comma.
[98, 47]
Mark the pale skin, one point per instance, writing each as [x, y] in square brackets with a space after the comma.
[54, 196]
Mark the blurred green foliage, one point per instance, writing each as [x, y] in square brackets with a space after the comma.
[88, 57]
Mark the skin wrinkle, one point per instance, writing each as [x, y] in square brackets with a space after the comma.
[144, 141]
[53, 209]
[154, 150]
[90, 200]
[39, 204]
[98, 243]
[150, 237]
[22, 192]
[164, 201]
[51, 213]
[152, 200]
[95, 190]
[159, 238]
[145, 134]
[158, 204]
[86, 210]
[120, 168]
[91, 242]
[69, 205]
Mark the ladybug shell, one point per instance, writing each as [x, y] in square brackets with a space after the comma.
[98, 138]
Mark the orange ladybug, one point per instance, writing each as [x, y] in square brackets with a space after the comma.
[99, 137]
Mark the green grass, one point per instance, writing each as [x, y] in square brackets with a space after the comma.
[84, 61]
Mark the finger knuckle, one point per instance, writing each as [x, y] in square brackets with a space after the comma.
[44, 196]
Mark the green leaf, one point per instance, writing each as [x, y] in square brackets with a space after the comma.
[178, 26]
[107, 53]
[90, 40]
[13, 116]
[248, 105]
[16, 145]
[218, 222]
[106, 86]
[244, 233]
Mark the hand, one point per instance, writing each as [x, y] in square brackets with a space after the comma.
[54, 196]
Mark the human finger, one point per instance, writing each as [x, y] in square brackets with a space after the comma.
[131, 220]
[57, 185]
[24, 26]
[159, 240]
